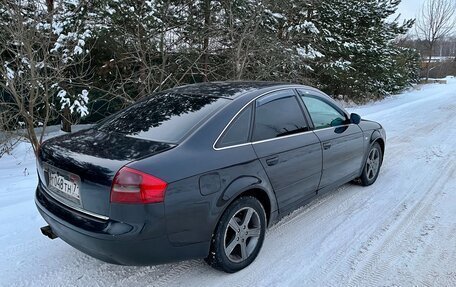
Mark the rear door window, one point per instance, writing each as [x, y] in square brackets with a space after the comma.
[278, 114]
[163, 117]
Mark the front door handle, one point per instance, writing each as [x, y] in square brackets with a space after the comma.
[326, 145]
[272, 161]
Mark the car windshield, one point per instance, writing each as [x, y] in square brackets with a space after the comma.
[163, 117]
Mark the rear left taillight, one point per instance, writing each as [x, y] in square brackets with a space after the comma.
[134, 186]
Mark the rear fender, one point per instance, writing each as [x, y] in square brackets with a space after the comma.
[246, 184]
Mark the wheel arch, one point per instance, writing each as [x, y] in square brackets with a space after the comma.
[261, 196]
[258, 191]
[250, 186]
[377, 138]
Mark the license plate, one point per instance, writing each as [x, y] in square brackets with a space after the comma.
[65, 183]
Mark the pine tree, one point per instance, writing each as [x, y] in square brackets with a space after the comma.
[357, 41]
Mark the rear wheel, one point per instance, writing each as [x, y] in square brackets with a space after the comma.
[372, 166]
[239, 235]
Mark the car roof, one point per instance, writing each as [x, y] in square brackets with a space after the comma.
[226, 89]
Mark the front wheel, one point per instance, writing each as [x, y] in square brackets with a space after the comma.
[372, 166]
[239, 235]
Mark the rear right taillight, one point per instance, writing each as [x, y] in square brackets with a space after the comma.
[133, 186]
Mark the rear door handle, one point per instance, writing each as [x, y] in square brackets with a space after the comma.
[272, 161]
[326, 145]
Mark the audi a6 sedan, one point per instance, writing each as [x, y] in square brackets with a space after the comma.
[200, 171]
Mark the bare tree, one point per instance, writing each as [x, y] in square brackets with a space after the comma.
[41, 71]
[436, 22]
[151, 50]
[241, 34]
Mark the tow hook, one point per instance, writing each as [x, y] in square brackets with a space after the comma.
[47, 231]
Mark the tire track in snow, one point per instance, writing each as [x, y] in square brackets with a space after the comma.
[334, 269]
[332, 204]
[169, 274]
[375, 250]
[336, 273]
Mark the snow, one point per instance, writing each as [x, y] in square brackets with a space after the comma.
[309, 53]
[305, 26]
[62, 95]
[278, 16]
[79, 104]
[77, 50]
[341, 64]
[398, 232]
[9, 72]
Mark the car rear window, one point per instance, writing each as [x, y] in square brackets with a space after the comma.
[163, 117]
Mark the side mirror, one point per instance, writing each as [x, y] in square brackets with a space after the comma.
[355, 119]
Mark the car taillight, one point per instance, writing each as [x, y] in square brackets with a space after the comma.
[133, 186]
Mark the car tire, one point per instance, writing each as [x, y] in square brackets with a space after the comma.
[372, 165]
[239, 235]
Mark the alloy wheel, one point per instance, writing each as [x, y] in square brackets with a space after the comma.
[242, 234]
[372, 163]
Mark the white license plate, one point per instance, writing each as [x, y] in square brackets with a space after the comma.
[65, 183]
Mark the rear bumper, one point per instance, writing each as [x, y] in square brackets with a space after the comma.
[114, 241]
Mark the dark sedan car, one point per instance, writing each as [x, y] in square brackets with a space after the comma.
[200, 171]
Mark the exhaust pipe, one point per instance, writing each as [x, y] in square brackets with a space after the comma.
[47, 231]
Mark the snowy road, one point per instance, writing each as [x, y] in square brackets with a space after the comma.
[399, 232]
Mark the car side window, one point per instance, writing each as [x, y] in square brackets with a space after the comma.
[323, 114]
[238, 131]
[278, 114]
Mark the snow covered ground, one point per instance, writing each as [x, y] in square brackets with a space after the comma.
[399, 232]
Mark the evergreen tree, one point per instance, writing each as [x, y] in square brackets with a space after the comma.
[357, 41]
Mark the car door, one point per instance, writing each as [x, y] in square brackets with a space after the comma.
[342, 142]
[288, 150]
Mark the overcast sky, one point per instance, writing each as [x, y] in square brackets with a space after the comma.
[410, 8]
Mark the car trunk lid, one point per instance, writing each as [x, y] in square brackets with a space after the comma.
[77, 169]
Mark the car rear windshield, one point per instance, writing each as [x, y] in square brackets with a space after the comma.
[163, 117]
